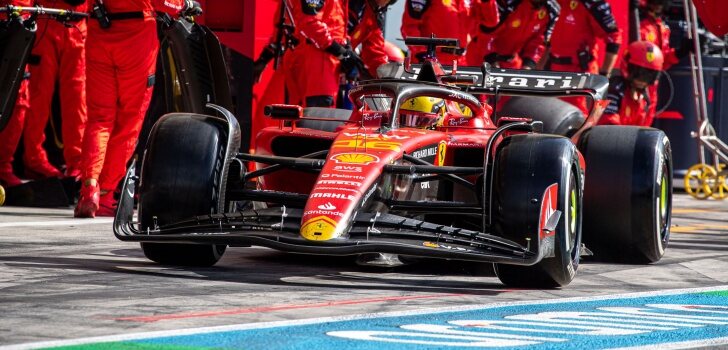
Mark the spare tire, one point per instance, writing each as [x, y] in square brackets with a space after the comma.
[558, 117]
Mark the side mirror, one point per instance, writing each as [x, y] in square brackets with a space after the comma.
[283, 112]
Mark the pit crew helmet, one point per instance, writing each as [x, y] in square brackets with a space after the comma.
[644, 61]
[421, 112]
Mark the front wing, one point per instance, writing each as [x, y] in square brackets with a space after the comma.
[278, 228]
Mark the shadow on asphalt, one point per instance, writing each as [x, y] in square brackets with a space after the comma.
[273, 268]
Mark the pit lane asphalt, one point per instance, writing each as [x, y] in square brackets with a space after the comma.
[65, 278]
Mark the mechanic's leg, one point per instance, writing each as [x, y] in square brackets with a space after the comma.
[320, 80]
[73, 97]
[136, 79]
[10, 136]
[293, 87]
[43, 77]
[101, 98]
[274, 93]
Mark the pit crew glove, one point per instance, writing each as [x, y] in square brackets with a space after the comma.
[191, 9]
[351, 64]
[268, 53]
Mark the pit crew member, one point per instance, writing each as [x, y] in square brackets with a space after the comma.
[441, 18]
[521, 37]
[121, 53]
[573, 44]
[58, 57]
[654, 30]
[10, 136]
[629, 101]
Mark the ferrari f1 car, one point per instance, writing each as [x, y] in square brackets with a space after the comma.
[525, 186]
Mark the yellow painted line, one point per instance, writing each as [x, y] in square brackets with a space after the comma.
[700, 228]
[691, 211]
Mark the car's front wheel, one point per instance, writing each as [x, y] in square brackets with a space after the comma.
[180, 179]
[527, 167]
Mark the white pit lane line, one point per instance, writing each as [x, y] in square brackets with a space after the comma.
[70, 222]
[715, 342]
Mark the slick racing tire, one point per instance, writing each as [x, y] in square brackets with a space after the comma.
[525, 166]
[180, 179]
[628, 193]
[558, 117]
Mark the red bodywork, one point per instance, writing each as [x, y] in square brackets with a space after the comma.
[359, 150]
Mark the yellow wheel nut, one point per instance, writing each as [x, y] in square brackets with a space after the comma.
[2, 196]
[700, 181]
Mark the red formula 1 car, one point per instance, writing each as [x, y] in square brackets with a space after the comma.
[446, 183]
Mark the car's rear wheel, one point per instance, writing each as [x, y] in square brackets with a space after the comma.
[180, 178]
[525, 168]
[558, 117]
[628, 193]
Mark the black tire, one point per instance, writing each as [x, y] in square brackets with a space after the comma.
[340, 115]
[180, 179]
[628, 193]
[526, 165]
[558, 117]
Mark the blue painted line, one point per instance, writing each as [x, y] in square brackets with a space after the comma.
[659, 320]
[623, 322]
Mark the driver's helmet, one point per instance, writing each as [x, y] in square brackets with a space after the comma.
[421, 112]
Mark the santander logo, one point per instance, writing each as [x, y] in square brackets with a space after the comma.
[327, 206]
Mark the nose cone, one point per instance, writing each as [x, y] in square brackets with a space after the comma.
[339, 191]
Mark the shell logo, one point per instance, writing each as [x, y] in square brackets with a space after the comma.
[573, 4]
[354, 158]
[320, 228]
[516, 23]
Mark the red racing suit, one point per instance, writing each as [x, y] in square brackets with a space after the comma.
[312, 77]
[654, 30]
[120, 66]
[520, 39]
[626, 105]
[581, 23]
[365, 27]
[443, 18]
[59, 48]
[10, 136]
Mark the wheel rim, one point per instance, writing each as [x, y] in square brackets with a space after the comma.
[572, 211]
[663, 205]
